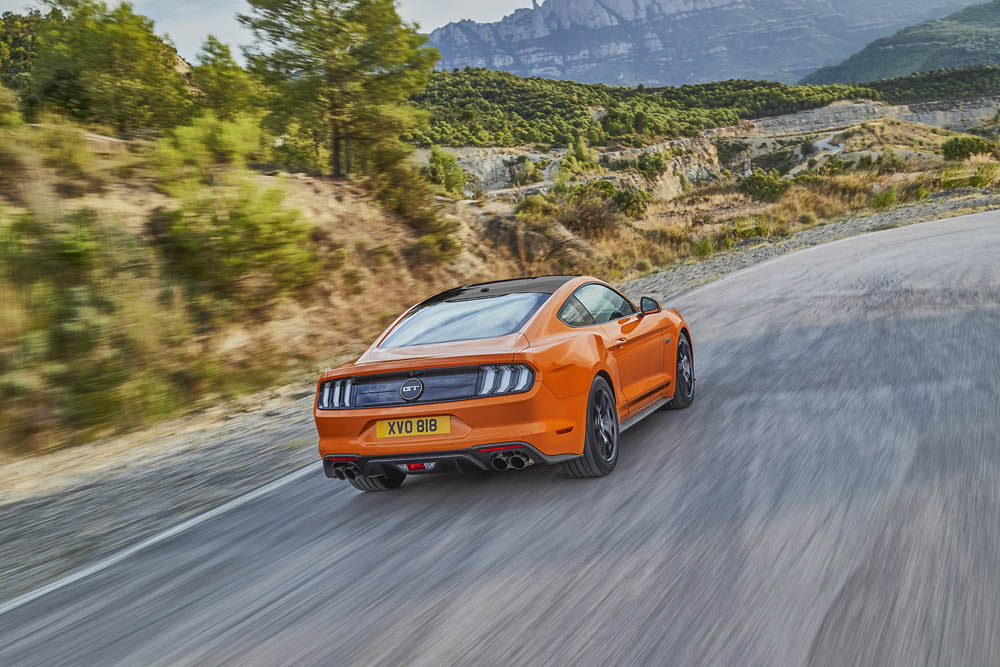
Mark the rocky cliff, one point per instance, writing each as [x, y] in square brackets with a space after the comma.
[656, 42]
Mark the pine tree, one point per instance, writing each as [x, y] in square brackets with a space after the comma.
[223, 87]
[352, 63]
[109, 66]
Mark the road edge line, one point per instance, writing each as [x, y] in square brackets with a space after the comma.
[127, 552]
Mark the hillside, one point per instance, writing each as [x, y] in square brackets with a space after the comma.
[963, 39]
[657, 42]
[479, 107]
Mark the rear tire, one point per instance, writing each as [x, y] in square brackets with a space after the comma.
[684, 379]
[600, 449]
[390, 480]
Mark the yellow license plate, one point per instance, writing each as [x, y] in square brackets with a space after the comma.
[404, 428]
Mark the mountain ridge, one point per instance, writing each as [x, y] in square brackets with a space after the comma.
[966, 38]
[673, 42]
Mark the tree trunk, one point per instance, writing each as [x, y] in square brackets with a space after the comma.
[338, 170]
[347, 154]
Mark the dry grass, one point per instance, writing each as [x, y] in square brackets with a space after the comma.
[895, 134]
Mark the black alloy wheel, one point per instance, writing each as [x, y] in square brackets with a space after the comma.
[600, 450]
[684, 376]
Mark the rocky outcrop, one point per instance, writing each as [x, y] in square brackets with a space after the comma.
[691, 161]
[495, 167]
[655, 42]
[958, 115]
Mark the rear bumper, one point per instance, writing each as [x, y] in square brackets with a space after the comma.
[549, 425]
[463, 460]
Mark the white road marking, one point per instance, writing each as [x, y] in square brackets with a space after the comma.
[114, 559]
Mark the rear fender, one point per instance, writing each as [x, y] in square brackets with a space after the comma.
[569, 364]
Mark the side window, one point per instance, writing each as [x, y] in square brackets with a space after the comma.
[574, 314]
[603, 303]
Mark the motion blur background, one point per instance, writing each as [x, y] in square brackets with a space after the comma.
[193, 226]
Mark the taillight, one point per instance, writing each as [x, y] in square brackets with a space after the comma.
[335, 394]
[504, 379]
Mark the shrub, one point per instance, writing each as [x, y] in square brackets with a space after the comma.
[884, 199]
[239, 243]
[92, 347]
[970, 176]
[764, 185]
[526, 172]
[207, 148]
[443, 170]
[633, 203]
[591, 217]
[703, 248]
[9, 116]
[652, 165]
[64, 149]
[958, 149]
[536, 206]
[431, 249]
[888, 162]
[353, 281]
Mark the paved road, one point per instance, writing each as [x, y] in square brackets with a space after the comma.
[833, 498]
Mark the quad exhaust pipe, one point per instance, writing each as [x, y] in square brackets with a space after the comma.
[509, 461]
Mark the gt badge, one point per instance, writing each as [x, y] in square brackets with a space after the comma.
[411, 389]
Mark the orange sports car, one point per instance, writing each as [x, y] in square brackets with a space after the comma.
[503, 376]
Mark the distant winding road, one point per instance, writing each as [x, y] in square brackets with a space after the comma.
[832, 498]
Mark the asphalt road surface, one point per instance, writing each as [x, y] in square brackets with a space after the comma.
[832, 498]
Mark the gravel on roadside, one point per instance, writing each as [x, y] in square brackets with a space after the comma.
[191, 467]
[673, 281]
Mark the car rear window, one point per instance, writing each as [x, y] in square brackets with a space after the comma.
[465, 319]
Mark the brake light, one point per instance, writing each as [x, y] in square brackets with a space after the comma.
[335, 394]
[505, 379]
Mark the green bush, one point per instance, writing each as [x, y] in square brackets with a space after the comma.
[958, 149]
[207, 148]
[764, 185]
[526, 172]
[536, 206]
[9, 105]
[885, 199]
[978, 176]
[239, 243]
[443, 170]
[633, 203]
[92, 349]
[703, 248]
[652, 165]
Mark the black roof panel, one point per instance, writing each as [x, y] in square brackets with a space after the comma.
[537, 285]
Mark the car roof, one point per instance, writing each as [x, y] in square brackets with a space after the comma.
[535, 285]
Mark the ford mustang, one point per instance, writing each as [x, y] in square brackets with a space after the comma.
[502, 376]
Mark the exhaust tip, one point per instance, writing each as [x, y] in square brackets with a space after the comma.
[498, 462]
[518, 462]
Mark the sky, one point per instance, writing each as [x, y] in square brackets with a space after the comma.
[188, 21]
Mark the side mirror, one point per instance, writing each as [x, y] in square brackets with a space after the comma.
[649, 306]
